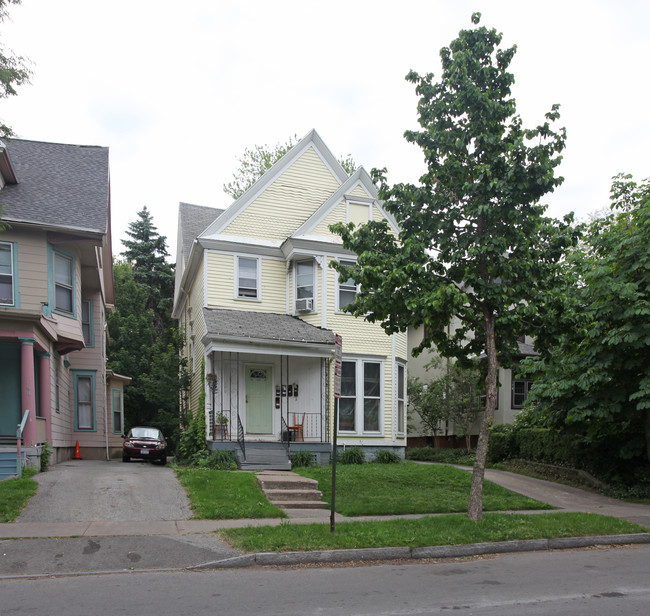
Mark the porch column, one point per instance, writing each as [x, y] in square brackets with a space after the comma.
[45, 393]
[28, 390]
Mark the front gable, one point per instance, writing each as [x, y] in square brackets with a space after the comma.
[284, 197]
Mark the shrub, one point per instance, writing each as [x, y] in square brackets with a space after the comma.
[443, 456]
[353, 455]
[46, 452]
[386, 456]
[502, 444]
[220, 460]
[303, 458]
[191, 448]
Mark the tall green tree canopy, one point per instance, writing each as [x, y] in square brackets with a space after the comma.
[474, 245]
[145, 344]
[256, 161]
[595, 380]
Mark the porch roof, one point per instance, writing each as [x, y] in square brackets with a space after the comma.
[263, 327]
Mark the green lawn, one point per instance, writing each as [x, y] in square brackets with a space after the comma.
[424, 532]
[15, 494]
[385, 489]
[225, 495]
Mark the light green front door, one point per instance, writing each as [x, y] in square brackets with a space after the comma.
[259, 402]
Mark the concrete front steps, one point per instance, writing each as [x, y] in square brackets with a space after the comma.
[266, 456]
[290, 491]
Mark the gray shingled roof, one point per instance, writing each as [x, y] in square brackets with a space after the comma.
[59, 185]
[193, 220]
[264, 326]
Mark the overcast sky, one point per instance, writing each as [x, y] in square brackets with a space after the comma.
[178, 90]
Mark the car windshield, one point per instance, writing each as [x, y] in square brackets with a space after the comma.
[145, 433]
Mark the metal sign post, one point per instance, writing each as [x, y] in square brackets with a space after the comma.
[338, 354]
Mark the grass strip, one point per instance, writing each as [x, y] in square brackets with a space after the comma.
[408, 488]
[225, 495]
[425, 532]
[15, 494]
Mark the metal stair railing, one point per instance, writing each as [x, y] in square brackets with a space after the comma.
[240, 436]
[19, 441]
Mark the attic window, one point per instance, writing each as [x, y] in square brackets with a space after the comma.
[63, 282]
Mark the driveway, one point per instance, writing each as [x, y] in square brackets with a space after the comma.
[88, 490]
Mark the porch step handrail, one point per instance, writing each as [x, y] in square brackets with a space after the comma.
[240, 436]
[286, 434]
[19, 440]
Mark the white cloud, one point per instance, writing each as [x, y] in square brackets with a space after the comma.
[178, 91]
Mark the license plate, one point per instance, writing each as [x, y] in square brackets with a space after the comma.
[144, 451]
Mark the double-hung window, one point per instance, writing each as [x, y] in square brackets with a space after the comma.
[6, 274]
[361, 395]
[347, 289]
[305, 285]
[520, 389]
[84, 392]
[63, 282]
[118, 412]
[87, 322]
[248, 278]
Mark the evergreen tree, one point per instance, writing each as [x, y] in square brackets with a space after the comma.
[145, 345]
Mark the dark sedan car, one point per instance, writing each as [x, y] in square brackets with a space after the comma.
[144, 443]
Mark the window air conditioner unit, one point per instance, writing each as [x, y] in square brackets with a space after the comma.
[304, 305]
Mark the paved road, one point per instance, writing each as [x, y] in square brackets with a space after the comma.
[596, 582]
[87, 490]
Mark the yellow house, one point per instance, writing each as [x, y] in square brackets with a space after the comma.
[260, 306]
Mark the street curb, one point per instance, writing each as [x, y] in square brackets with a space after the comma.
[404, 553]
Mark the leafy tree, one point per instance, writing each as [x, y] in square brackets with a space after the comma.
[255, 161]
[474, 244]
[428, 401]
[13, 72]
[453, 396]
[595, 380]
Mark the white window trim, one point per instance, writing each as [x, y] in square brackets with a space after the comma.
[338, 287]
[314, 285]
[404, 399]
[360, 397]
[12, 274]
[258, 280]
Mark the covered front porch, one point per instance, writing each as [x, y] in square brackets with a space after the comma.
[267, 388]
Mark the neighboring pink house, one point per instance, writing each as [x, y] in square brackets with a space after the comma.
[56, 287]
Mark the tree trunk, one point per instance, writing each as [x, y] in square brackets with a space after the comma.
[475, 508]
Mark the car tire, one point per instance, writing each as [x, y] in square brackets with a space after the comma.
[126, 459]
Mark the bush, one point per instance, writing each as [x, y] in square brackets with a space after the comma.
[386, 456]
[303, 458]
[443, 456]
[352, 455]
[502, 444]
[220, 460]
[46, 452]
[191, 448]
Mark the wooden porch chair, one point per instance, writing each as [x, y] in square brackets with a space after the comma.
[296, 429]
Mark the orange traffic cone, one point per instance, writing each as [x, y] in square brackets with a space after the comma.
[77, 453]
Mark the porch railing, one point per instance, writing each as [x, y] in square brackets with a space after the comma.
[312, 428]
[19, 441]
